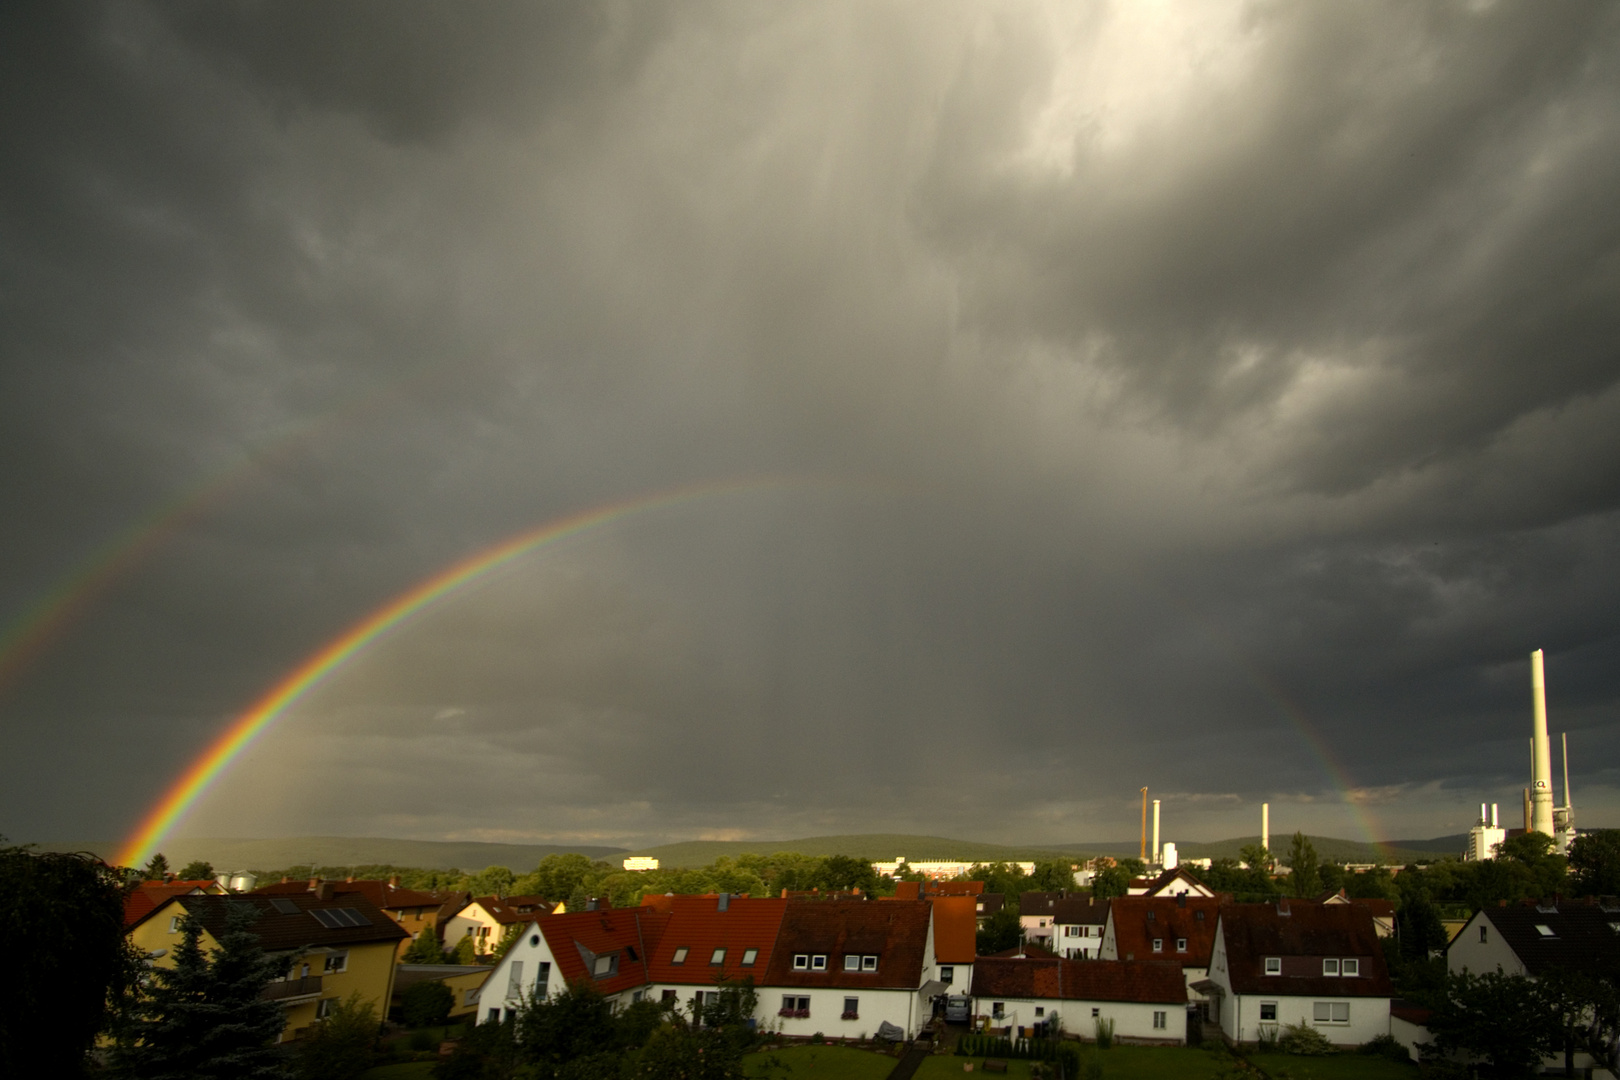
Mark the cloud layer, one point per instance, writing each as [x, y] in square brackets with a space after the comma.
[1223, 400]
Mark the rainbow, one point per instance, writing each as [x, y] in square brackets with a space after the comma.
[209, 766]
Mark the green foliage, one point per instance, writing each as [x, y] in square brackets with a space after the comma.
[509, 937]
[1304, 1040]
[1000, 931]
[1005, 877]
[427, 1004]
[1052, 875]
[1105, 1034]
[1505, 1019]
[1385, 1046]
[494, 881]
[71, 964]
[196, 870]
[466, 950]
[425, 949]
[342, 1046]
[1595, 859]
[487, 1051]
[1111, 881]
[205, 1016]
[1334, 877]
[157, 868]
[1305, 879]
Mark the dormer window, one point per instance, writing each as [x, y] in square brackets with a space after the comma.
[1273, 965]
[1151, 916]
[1181, 944]
[818, 962]
[868, 963]
[1199, 915]
[852, 963]
[801, 961]
[1330, 966]
[680, 955]
[1158, 944]
[1349, 966]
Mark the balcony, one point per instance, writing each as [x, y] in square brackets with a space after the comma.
[294, 991]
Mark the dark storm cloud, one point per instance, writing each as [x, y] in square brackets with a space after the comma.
[1223, 400]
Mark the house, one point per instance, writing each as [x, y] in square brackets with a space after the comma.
[1173, 882]
[1382, 911]
[1035, 911]
[1145, 1001]
[333, 946]
[919, 890]
[1297, 962]
[147, 895]
[488, 919]
[987, 904]
[1077, 927]
[1179, 929]
[463, 980]
[709, 940]
[843, 967]
[956, 927]
[413, 909]
[609, 948]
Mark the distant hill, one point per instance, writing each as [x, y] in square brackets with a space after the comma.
[278, 854]
[878, 847]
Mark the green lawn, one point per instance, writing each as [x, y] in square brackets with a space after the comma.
[406, 1070]
[942, 1065]
[1337, 1067]
[821, 1063]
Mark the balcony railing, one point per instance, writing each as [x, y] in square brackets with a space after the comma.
[308, 986]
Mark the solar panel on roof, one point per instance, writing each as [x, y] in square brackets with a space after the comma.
[286, 907]
[327, 918]
[354, 917]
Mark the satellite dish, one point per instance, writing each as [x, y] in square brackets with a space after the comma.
[157, 954]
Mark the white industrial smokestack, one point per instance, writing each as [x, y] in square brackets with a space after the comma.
[1494, 823]
[1483, 820]
[1265, 825]
[1541, 795]
[1156, 831]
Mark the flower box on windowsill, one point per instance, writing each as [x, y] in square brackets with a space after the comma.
[794, 1014]
[850, 1016]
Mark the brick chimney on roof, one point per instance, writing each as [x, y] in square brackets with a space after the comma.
[323, 890]
[393, 881]
[314, 883]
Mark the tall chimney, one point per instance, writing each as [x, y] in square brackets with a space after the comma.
[1494, 821]
[1265, 825]
[1569, 804]
[1541, 795]
[1156, 829]
[1483, 820]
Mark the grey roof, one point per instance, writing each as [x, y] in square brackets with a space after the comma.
[1077, 910]
[408, 975]
[1585, 937]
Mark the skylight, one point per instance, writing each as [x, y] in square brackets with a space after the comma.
[1544, 930]
[286, 907]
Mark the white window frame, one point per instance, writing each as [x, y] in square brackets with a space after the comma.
[1350, 967]
[852, 962]
[1158, 1020]
[1330, 1012]
[869, 963]
[818, 962]
[336, 964]
[323, 1007]
[1330, 967]
[852, 1008]
[998, 1010]
[801, 961]
[1273, 965]
[1264, 1005]
[718, 957]
[1158, 944]
[947, 974]
[1181, 944]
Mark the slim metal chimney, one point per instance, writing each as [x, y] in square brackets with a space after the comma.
[1141, 852]
[1483, 820]
[1541, 795]
[1569, 804]
[1494, 820]
[1156, 828]
[1265, 825]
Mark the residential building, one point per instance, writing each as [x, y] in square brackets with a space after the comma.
[150, 894]
[955, 941]
[488, 919]
[1297, 962]
[709, 940]
[1381, 910]
[1146, 1002]
[414, 910]
[333, 946]
[1172, 882]
[987, 904]
[1537, 936]
[1179, 929]
[843, 967]
[608, 948]
[1035, 912]
[464, 982]
[1077, 927]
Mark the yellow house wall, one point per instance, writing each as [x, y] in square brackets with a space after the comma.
[461, 984]
[414, 921]
[370, 969]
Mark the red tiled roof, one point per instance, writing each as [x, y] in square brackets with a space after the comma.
[1027, 949]
[895, 932]
[954, 888]
[507, 910]
[1140, 981]
[382, 894]
[1139, 919]
[577, 938]
[908, 890]
[149, 895]
[956, 926]
[697, 925]
[1305, 935]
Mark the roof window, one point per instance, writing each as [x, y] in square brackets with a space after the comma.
[1330, 966]
[680, 955]
[339, 918]
[818, 962]
[717, 957]
[852, 962]
[749, 956]
[1544, 930]
[286, 907]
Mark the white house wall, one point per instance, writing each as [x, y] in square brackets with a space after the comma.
[1133, 1021]
[902, 1008]
[1468, 952]
[1369, 1017]
[532, 951]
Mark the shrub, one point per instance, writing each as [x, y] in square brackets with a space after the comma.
[340, 1047]
[427, 1004]
[423, 1040]
[1385, 1046]
[1304, 1040]
[1105, 1034]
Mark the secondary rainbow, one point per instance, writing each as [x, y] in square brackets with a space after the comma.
[213, 762]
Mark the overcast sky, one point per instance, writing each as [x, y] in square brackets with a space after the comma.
[1218, 398]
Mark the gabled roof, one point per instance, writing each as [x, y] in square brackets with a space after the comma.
[382, 894]
[1169, 883]
[1253, 932]
[507, 910]
[987, 904]
[1080, 910]
[629, 935]
[289, 922]
[953, 888]
[1584, 937]
[1139, 919]
[1379, 907]
[697, 925]
[149, 894]
[895, 932]
[956, 926]
[1039, 903]
[1080, 980]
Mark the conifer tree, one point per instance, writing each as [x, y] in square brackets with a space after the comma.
[206, 1017]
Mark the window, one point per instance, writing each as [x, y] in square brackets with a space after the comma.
[1268, 1010]
[680, 957]
[605, 966]
[793, 1005]
[998, 1010]
[337, 962]
[1071, 931]
[1181, 944]
[514, 981]
[852, 963]
[1150, 916]
[542, 976]
[868, 963]
[323, 1008]
[947, 975]
[1544, 930]
[1158, 1021]
[174, 923]
[638, 995]
[1095, 1012]
[667, 995]
[1331, 1012]
[1330, 966]
[1482, 934]
[717, 957]
[494, 1016]
[534, 940]
[1158, 944]
[818, 962]
[852, 1009]
[1199, 915]
[749, 956]
[1350, 966]
[1273, 965]
[1040, 1010]
[801, 961]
